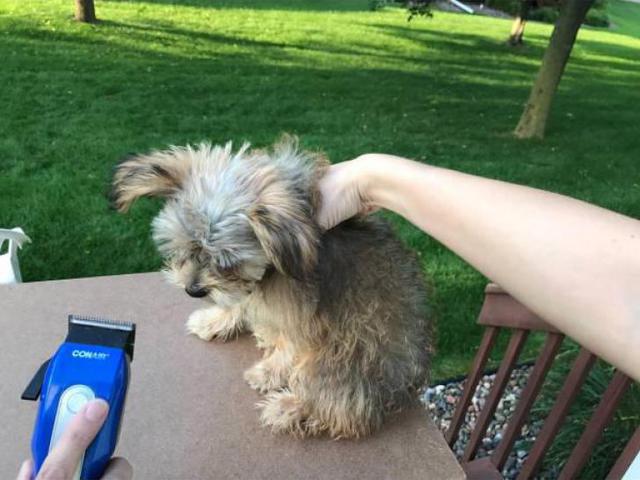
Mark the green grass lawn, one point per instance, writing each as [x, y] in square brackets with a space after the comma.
[447, 90]
[625, 17]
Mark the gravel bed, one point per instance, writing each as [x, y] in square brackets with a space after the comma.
[441, 401]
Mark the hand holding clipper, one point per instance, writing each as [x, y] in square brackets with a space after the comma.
[62, 461]
[93, 362]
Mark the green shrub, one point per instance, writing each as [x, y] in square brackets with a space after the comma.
[545, 14]
[421, 8]
[375, 5]
[597, 18]
[512, 7]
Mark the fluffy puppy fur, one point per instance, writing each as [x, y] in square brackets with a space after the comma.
[341, 315]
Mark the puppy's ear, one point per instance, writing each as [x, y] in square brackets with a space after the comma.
[288, 237]
[158, 174]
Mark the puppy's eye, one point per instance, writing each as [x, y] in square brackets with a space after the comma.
[227, 269]
[203, 257]
[226, 263]
[175, 261]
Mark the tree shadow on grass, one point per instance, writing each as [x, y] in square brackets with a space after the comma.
[500, 56]
[459, 42]
[468, 72]
[624, 52]
[222, 39]
[484, 63]
[279, 5]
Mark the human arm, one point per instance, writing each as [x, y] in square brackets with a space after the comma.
[62, 461]
[573, 263]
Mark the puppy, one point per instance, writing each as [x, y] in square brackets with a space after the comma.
[341, 315]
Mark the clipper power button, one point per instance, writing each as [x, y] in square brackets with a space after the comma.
[77, 401]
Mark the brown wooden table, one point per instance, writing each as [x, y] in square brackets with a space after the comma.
[189, 414]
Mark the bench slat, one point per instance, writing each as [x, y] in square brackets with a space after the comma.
[567, 395]
[479, 362]
[593, 431]
[529, 394]
[626, 458]
[516, 342]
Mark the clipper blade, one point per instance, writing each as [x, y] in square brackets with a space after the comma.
[102, 331]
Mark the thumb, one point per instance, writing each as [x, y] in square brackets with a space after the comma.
[63, 460]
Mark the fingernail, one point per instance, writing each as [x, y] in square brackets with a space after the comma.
[96, 410]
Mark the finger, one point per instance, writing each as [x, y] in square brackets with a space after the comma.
[26, 470]
[63, 460]
[323, 215]
[324, 219]
[118, 469]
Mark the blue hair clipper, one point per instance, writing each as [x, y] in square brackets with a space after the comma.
[93, 362]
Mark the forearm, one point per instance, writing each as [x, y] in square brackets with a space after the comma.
[575, 264]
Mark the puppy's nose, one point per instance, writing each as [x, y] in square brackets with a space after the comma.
[196, 291]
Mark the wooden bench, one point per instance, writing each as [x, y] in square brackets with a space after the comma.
[501, 311]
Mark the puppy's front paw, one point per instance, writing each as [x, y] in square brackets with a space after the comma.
[211, 322]
[284, 413]
[264, 379]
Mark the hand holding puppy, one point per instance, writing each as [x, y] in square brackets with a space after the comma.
[344, 193]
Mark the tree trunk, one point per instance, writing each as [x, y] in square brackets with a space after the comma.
[85, 11]
[534, 118]
[517, 29]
